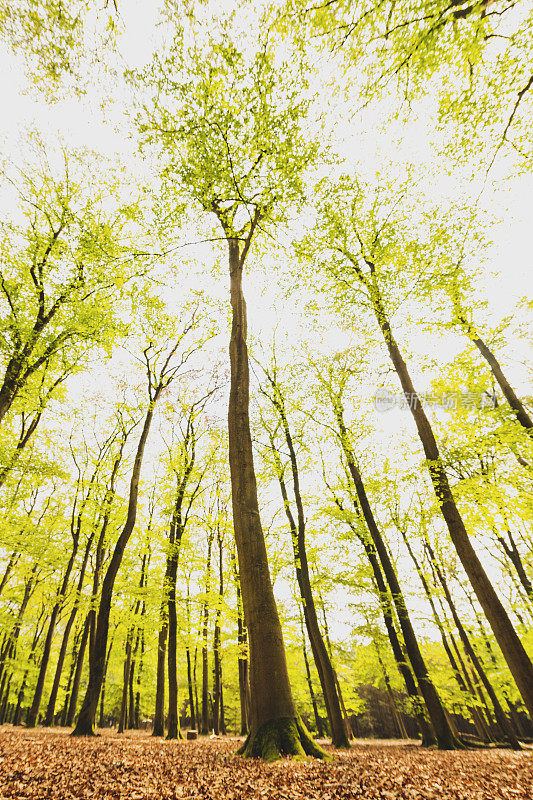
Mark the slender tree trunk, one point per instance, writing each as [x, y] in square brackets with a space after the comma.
[176, 534]
[102, 693]
[86, 717]
[513, 554]
[218, 712]
[205, 623]
[480, 727]
[17, 718]
[137, 716]
[33, 713]
[318, 720]
[50, 710]
[426, 730]
[78, 633]
[402, 733]
[73, 700]
[512, 648]
[159, 716]
[339, 731]
[196, 704]
[125, 686]
[445, 737]
[8, 570]
[508, 392]
[9, 647]
[501, 717]
[191, 689]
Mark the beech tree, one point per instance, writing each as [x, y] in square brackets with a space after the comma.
[364, 249]
[162, 366]
[231, 130]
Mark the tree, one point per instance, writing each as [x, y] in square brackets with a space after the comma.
[230, 129]
[365, 250]
[276, 395]
[161, 370]
[61, 283]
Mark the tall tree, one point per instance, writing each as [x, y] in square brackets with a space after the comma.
[363, 250]
[161, 370]
[236, 147]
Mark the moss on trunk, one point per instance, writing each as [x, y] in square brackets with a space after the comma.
[287, 736]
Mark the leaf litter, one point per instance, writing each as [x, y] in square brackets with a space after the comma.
[134, 766]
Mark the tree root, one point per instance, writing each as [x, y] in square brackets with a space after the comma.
[287, 736]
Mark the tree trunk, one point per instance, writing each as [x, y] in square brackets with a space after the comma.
[176, 534]
[275, 727]
[339, 731]
[218, 711]
[472, 710]
[318, 720]
[125, 686]
[50, 710]
[191, 690]
[445, 738]
[86, 717]
[501, 717]
[33, 713]
[102, 693]
[242, 650]
[205, 622]
[512, 648]
[73, 700]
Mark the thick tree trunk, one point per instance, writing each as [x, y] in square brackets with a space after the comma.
[86, 717]
[512, 648]
[274, 724]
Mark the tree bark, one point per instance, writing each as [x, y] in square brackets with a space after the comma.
[502, 718]
[73, 700]
[31, 720]
[339, 731]
[205, 622]
[445, 738]
[274, 724]
[512, 648]
[50, 710]
[86, 717]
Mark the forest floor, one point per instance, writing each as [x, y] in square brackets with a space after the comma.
[46, 763]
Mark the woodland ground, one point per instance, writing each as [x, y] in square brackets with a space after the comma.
[50, 764]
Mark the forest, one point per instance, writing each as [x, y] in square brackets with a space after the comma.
[266, 416]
